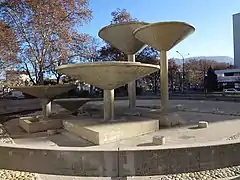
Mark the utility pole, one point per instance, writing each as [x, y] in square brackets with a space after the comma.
[183, 70]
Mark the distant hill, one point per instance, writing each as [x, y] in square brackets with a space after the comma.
[226, 59]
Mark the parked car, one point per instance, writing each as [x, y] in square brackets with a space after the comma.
[14, 95]
[230, 91]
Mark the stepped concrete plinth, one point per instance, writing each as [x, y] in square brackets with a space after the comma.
[72, 104]
[102, 132]
[37, 124]
[108, 76]
[127, 43]
[46, 93]
[163, 36]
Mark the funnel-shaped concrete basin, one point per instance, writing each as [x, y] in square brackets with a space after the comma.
[108, 75]
[163, 35]
[45, 91]
[121, 36]
[72, 104]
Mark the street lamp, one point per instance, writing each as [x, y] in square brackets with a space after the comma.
[183, 76]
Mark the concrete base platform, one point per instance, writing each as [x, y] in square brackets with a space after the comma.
[166, 119]
[33, 125]
[100, 132]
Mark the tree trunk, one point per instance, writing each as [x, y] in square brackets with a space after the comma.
[91, 89]
[29, 75]
[58, 78]
[180, 80]
[171, 79]
[41, 79]
[155, 83]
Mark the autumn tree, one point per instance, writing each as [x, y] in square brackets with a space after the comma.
[121, 15]
[83, 48]
[110, 53]
[221, 65]
[44, 31]
[210, 80]
[8, 47]
[196, 70]
[88, 51]
[173, 73]
[151, 56]
[148, 55]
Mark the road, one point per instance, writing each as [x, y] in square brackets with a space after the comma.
[11, 106]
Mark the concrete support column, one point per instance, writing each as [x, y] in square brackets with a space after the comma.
[108, 104]
[164, 80]
[132, 86]
[46, 108]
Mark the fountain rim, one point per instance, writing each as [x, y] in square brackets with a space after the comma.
[44, 86]
[214, 143]
[107, 63]
[73, 99]
[163, 23]
[120, 24]
[62, 153]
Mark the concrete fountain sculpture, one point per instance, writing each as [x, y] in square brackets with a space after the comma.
[107, 76]
[111, 75]
[164, 36]
[121, 36]
[124, 161]
[46, 95]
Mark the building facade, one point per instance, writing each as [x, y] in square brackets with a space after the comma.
[16, 77]
[228, 78]
[236, 39]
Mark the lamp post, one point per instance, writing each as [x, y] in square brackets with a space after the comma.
[183, 76]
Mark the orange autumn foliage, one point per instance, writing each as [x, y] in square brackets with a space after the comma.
[42, 32]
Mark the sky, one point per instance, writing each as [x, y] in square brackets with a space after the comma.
[212, 20]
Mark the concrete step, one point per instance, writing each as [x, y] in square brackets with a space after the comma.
[101, 132]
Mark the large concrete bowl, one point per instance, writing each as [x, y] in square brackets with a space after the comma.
[108, 75]
[121, 36]
[72, 104]
[45, 91]
[164, 35]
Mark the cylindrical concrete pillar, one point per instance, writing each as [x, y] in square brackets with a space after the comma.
[132, 86]
[108, 104]
[164, 80]
[46, 108]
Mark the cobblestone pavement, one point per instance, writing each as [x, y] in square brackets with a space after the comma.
[230, 173]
